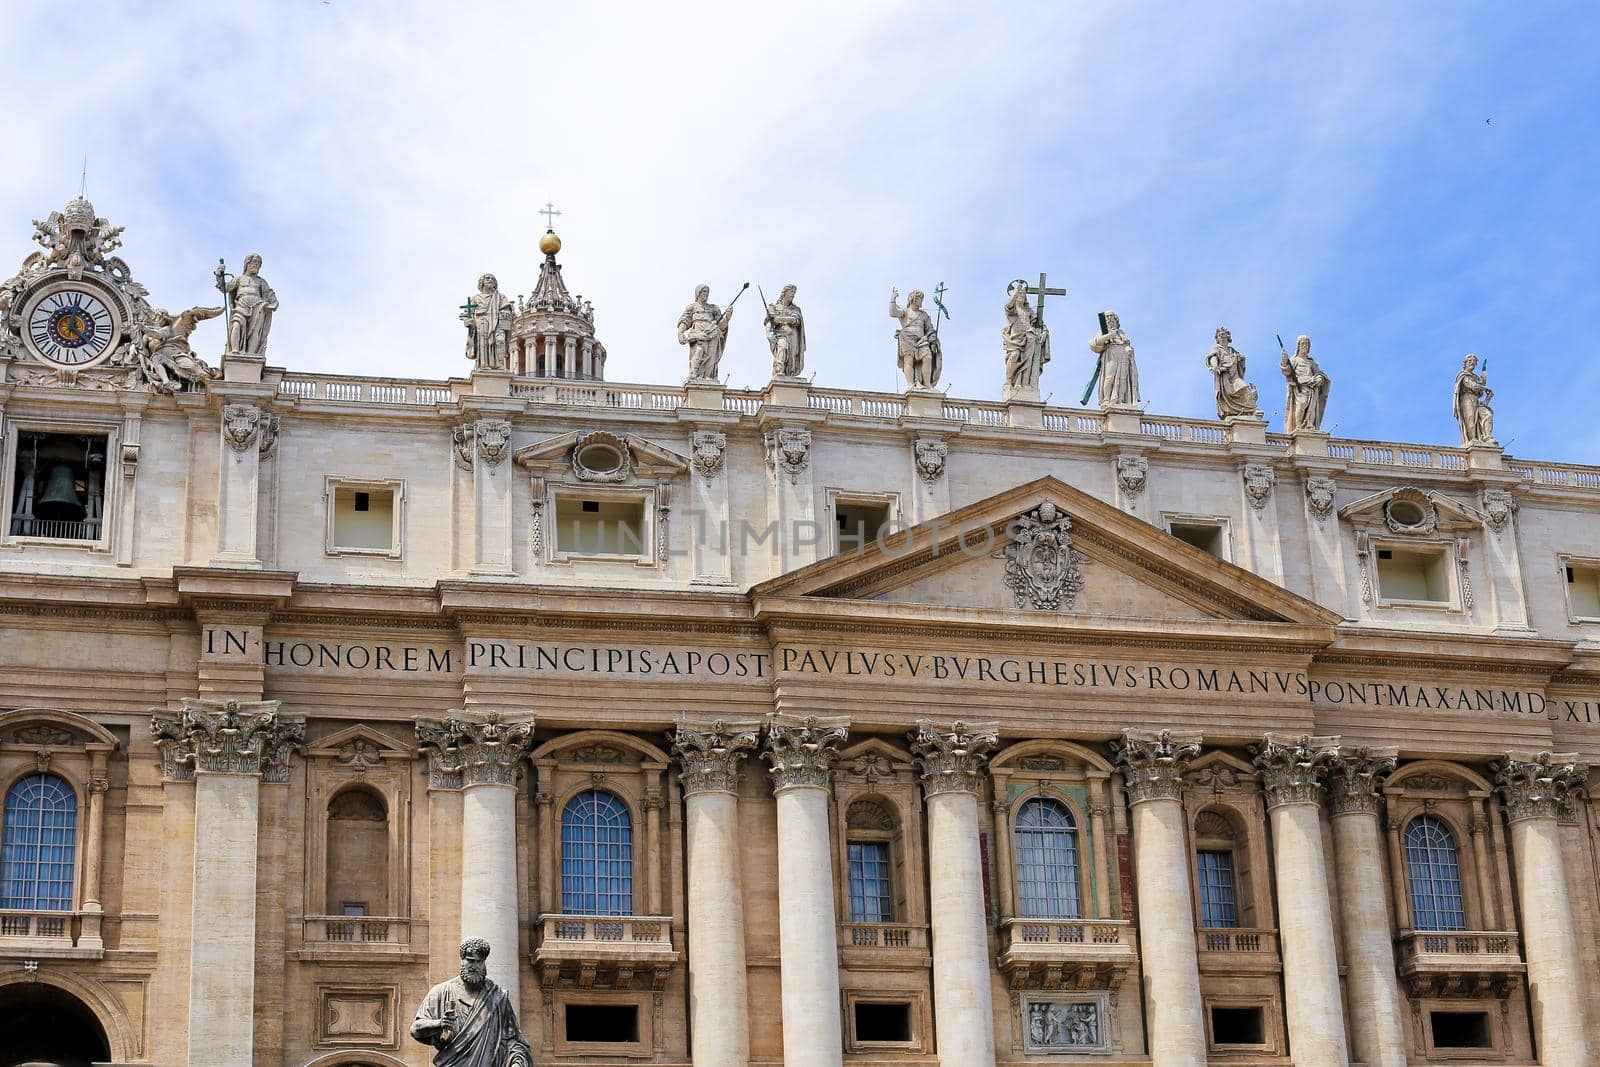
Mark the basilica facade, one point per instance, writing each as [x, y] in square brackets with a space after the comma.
[783, 726]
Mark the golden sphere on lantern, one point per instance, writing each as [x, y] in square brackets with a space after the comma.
[550, 244]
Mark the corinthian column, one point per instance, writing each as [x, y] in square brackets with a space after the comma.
[1152, 767]
[719, 1012]
[1534, 786]
[952, 759]
[1291, 771]
[801, 751]
[1377, 1023]
[226, 748]
[486, 754]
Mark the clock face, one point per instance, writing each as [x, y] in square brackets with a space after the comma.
[71, 327]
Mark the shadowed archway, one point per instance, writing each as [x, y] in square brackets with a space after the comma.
[43, 1025]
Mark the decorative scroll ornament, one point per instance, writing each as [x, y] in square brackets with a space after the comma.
[1258, 482]
[600, 456]
[789, 451]
[465, 752]
[1319, 496]
[708, 452]
[1498, 507]
[1042, 567]
[952, 756]
[1292, 768]
[1131, 470]
[226, 737]
[802, 750]
[1542, 785]
[269, 432]
[709, 754]
[462, 439]
[494, 440]
[241, 423]
[1411, 511]
[930, 456]
[1355, 776]
[1152, 762]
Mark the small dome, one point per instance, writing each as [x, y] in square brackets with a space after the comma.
[550, 244]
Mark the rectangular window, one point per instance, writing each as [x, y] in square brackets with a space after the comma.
[1219, 906]
[871, 888]
[880, 1022]
[1237, 1026]
[354, 909]
[1416, 575]
[601, 526]
[1460, 1029]
[363, 520]
[860, 523]
[58, 486]
[1583, 590]
[1207, 537]
[609, 1024]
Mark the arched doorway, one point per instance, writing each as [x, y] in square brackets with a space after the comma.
[42, 1026]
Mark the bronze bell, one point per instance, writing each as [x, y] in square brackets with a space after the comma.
[59, 502]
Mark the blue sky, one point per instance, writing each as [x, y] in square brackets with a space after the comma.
[1403, 182]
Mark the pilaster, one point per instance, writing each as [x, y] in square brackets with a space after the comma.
[791, 494]
[483, 450]
[712, 518]
[245, 428]
[1259, 530]
[930, 485]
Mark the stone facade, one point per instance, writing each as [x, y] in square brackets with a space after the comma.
[784, 726]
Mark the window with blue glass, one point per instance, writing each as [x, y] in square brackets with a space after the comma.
[1047, 861]
[38, 844]
[596, 856]
[871, 882]
[1433, 868]
[1219, 901]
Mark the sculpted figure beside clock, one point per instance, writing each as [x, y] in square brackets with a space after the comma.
[162, 345]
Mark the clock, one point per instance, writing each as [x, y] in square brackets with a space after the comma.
[71, 325]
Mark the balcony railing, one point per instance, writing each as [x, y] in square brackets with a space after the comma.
[883, 936]
[38, 925]
[1460, 962]
[609, 950]
[1239, 941]
[355, 930]
[1488, 944]
[1083, 952]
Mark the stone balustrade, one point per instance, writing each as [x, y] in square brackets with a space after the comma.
[1084, 952]
[357, 930]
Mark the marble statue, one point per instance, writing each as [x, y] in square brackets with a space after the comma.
[1119, 374]
[161, 342]
[920, 355]
[253, 305]
[1026, 342]
[1307, 398]
[470, 1019]
[786, 335]
[704, 328]
[487, 316]
[1470, 403]
[1236, 398]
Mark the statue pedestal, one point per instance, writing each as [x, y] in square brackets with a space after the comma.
[1485, 457]
[1123, 420]
[702, 394]
[787, 392]
[924, 404]
[491, 383]
[1243, 430]
[1026, 394]
[1028, 414]
[238, 367]
[1309, 443]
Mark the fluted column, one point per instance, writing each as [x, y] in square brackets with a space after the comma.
[709, 756]
[1291, 772]
[1152, 767]
[952, 758]
[1534, 786]
[801, 751]
[227, 748]
[486, 752]
[1377, 1021]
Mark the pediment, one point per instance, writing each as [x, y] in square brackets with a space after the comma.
[1080, 558]
[361, 744]
[572, 453]
[1413, 511]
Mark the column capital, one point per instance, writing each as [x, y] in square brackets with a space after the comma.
[801, 749]
[1355, 775]
[709, 753]
[952, 756]
[226, 737]
[1539, 785]
[464, 752]
[1292, 767]
[1152, 762]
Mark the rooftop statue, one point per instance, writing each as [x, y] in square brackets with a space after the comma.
[704, 328]
[488, 317]
[786, 335]
[919, 353]
[1236, 398]
[253, 302]
[1470, 404]
[1119, 375]
[161, 342]
[470, 1019]
[1307, 397]
[1027, 344]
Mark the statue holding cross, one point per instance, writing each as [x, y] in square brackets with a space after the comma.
[1026, 339]
[1118, 374]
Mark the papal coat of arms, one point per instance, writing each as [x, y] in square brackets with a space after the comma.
[1042, 567]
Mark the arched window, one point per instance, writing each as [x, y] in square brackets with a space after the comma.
[39, 843]
[1433, 867]
[358, 854]
[870, 854]
[596, 856]
[1047, 861]
[1215, 867]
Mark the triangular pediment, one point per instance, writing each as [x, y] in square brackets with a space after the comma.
[1408, 509]
[361, 742]
[635, 456]
[1047, 551]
